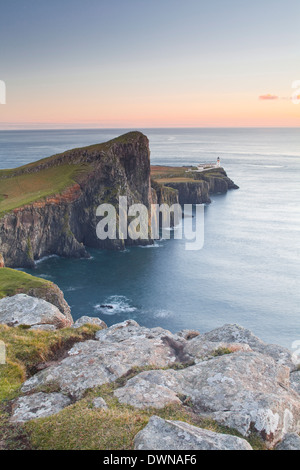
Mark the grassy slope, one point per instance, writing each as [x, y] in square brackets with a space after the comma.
[13, 282]
[19, 190]
[170, 174]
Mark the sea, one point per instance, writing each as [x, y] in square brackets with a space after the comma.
[248, 271]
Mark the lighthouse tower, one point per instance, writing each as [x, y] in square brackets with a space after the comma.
[218, 162]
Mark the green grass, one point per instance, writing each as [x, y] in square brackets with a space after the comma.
[21, 189]
[26, 349]
[13, 282]
[82, 427]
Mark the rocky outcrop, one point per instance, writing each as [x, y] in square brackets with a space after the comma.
[64, 224]
[204, 184]
[89, 320]
[245, 391]
[2, 264]
[116, 351]
[22, 309]
[161, 434]
[227, 375]
[239, 335]
[193, 192]
[38, 405]
[54, 296]
[289, 442]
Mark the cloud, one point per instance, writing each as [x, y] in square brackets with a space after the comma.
[269, 97]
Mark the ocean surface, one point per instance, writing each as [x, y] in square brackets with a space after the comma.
[249, 268]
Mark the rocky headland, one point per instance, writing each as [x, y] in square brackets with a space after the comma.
[49, 206]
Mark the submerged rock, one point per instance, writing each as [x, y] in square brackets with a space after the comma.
[38, 405]
[161, 434]
[22, 309]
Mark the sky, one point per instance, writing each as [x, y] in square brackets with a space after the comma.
[149, 63]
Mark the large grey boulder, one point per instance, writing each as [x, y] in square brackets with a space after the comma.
[116, 351]
[89, 320]
[289, 442]
[38, 405]
[245, 391]
[160, 434]
[237, 334]
[200, 349]
[21, 309]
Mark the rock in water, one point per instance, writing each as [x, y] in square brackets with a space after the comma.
[161, 434]
[38, 405]
[21, 309]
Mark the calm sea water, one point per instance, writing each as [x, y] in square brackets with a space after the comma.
[247, 272]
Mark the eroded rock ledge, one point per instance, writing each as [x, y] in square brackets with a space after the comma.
[228, 375]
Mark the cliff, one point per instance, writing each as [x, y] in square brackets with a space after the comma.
[49, 207]
[14, 282]
[192, 187]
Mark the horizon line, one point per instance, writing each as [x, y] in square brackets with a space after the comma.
[139, 127]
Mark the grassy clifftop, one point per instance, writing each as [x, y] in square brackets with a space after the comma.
[15, 282]
[52, 175]
[18, 190]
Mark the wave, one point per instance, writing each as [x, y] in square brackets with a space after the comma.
[115, 304]
[45, 258]
[163, 314]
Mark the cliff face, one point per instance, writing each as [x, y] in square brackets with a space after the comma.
[65, 223]
[199, 189]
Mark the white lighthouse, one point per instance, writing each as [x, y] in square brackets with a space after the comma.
[218, 162]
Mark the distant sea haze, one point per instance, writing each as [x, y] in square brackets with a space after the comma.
[248, 271]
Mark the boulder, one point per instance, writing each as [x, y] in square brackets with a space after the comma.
[295, 381]
[89, 320]
[116, 351]
[161, 434]
[245, 391]
[100, 403]
[22, 309]
[289, 442]
[238, 334]
[200, 349]
[38, 405]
